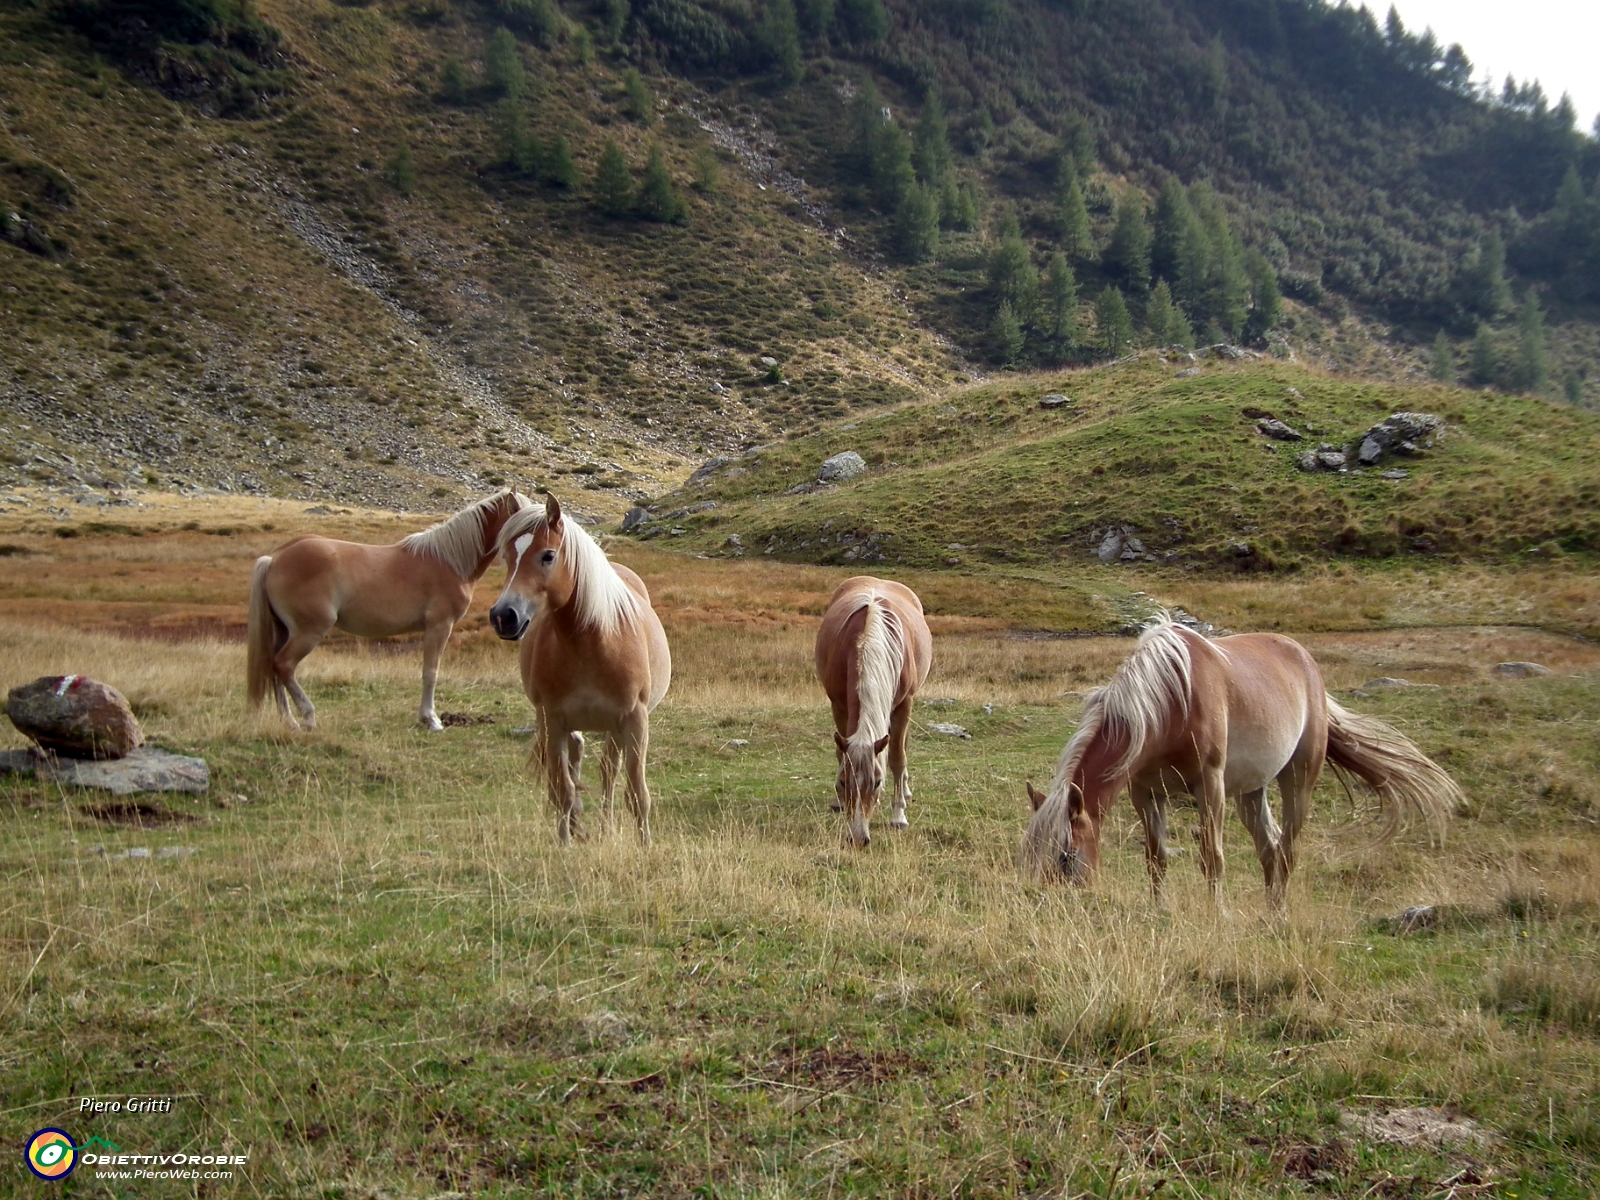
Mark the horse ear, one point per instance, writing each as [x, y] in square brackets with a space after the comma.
[1074, 800]
[552, 510]
[838, 740]
[1035, 796]
[877, 746]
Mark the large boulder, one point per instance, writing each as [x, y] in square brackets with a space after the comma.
[635, 517]
[845, 465]
[1276, 430]
[75, 716]
[1398, 433]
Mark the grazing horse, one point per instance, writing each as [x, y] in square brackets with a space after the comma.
[313, 584]
[873, 653]
[1215, 719]
[594, 657]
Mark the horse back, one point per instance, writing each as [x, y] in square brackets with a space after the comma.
[1270, 688]
[372, 591]
[840, 633]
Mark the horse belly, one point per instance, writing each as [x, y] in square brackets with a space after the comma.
[1254, 762]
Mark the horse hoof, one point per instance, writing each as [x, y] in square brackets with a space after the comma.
[432, 725]
[899, 823]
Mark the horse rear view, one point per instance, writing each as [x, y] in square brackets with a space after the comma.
[873, 653]
[1214, 719]
[594, 658]
[313, 585]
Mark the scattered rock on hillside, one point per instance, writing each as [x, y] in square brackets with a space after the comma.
[1055, 400]
[1326, 457]
[1417, 918]
[845, 465]
[75, 716]
[635, 517]
[1399, 433]
[1110, 546]
[1187, 373]
[1190, 621]
[1384, 682]
[1276, 430]
[703, 473]
[734, 545]
[1396, 475]
[142, 770]
[1520, 670]
[949, 730]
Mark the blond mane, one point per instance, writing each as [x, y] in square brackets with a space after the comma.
[881, 655]
[457, 542]
[599, 594]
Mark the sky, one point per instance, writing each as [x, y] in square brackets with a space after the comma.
[1553, 41]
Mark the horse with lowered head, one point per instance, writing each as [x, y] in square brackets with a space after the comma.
[873, 653]
[594, 657]
[1214, 719]
[312, 585]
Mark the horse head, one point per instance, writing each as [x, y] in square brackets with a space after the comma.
[504, 505]
[538, 576]
[859, 783]
[1061, 843]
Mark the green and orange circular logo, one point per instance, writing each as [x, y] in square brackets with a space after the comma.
[51, 1154]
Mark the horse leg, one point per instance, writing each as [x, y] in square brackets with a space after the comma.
[434, 638]
[635, 739]
[559, 784]
[610, 756]
[899, 728]
[1295, 784]
[1151, 806]
[1213, 804]
[299, 643]
[1256, 814]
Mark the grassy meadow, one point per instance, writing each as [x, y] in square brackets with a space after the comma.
[379, 975]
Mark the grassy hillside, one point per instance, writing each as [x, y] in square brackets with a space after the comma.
[985, 475]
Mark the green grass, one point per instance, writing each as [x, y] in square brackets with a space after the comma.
[982, 475]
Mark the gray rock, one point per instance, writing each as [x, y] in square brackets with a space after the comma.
[76, 716]
[1054, 400]
[1396, 474]
[636, 516]
[1187, 373]
[1384, 682]
[1399, 433]
[143, 770]
[1132, 548]
[845, 465]
[1110, 547]
[1224, 350]
[1417, 918]
[1520, 670]
[734, 542]
[1279, 432]
[703, 473]
[766, 360]
[949, 730]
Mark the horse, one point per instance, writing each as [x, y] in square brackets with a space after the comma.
[313, 584]
[594, 657]
[873, 653]
[1215, 719]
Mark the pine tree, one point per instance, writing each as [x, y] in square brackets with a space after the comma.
[1485, 362]
[1060, 300]
[502, 65]
[618, 13]
[518, 150]
[559, 168]
[707, 170]
[816, 17]
[1165, 320]
[932, 157]
[1266, 301]
[864, 20]
[1006, 334]
[1173, 219]
[1072, 219]
[917, 223]
[613, 184]
[582, 47]
[779, 36]
[641, 106]
[892, 172]
[1075, 152]
[657, 199]
[1443, 367]
[1012, 277]
[1481, 284]
[453, 81]
[402, 172]
[1112, 322]
[1127, 255]
[1225, 289]
[1533, 355]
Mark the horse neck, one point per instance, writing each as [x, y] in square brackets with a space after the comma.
[1099, 761]
[493, 522]
[875, 669]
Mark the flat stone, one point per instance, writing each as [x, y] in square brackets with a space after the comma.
[1389, 681]
[1187, 373]
[949, 730]
[1275, 429]
[1055, 400]
[1520, 670]
[144, 770]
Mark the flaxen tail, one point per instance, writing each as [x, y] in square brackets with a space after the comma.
[1405, 780]
[266, 632]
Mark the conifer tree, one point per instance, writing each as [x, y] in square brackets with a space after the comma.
[1225, 287]
[917, 223]
[518, 150]
[402, 172]
[657, 199]
[1266, 301]
[502, 65]
[641, 106]
[1113, 325]
[1443, 366]
[1075, 152]
[1012, 277]
[1165, 320]
[618, 13]
[892, 173]
[864, 20]
[779, 35]
[707, 170]
[1127, 255]
[1060, 300]
[559, 168]
[816, 17]
[1485, 362]
[1533, 355]
[932, 158]
[1173, 219]
[1481, 284]
[453, 81]
[958, 205]
[1006, 333]
[1072, 219]
[613, 184]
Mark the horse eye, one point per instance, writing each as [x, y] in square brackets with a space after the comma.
[548, 557]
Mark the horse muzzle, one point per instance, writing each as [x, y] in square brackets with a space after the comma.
[508, 621]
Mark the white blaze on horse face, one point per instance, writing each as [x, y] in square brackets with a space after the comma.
[522, 544]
